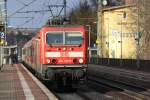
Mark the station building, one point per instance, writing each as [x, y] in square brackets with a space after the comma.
[123, 31]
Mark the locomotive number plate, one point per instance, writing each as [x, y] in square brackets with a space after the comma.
[64, 54]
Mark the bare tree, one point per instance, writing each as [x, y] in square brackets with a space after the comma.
[143, 7]
[86, 14]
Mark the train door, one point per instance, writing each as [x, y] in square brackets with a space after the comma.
[34, 51]
[37, 57]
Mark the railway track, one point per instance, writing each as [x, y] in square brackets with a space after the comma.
[137, 75]
[91, 94]
[83, 93]
[130, 77]
[120, 90]
[105, 89]
[69, 96]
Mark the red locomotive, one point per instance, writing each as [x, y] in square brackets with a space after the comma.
[58, 52]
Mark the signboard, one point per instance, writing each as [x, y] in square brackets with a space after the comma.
[2, 34]
[2, 38]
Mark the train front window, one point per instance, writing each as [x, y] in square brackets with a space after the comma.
[64, 38]
[54, 38]
[73, 38]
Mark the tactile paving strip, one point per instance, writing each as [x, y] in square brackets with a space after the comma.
[36, 91]
[10, 87]
[17, 84]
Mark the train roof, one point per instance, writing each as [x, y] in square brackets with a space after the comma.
[58, 26]
[64, 26]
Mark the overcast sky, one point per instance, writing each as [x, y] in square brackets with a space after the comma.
[35, 20]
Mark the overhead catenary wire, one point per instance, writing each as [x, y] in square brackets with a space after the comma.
[21, 2]
[20, 17]
[31, 11]
[74, 2]
[47, 11]
[27, 21]
[35, 11]
[44, 13]
[22, 7]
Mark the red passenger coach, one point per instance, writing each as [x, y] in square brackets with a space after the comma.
[58, 53]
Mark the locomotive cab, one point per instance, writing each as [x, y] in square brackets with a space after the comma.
[58, 53]
[66, 53]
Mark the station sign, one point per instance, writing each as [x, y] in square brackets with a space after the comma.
[98, 41]
[2, 34]
[2, 38]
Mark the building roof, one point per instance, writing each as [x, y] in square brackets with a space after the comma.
[118, 7]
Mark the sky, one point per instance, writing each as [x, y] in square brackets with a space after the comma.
[33, 20]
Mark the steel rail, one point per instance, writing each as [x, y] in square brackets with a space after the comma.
[127, 89]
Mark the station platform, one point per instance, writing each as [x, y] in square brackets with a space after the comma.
[17, 83]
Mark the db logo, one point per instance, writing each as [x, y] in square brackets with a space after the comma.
[64, 54]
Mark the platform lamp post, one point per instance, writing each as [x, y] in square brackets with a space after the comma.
[3, 33]
[121, 15]
[99, 28]
[137, 37]
[5, 3]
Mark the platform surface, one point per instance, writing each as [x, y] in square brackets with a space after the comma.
[17, 83]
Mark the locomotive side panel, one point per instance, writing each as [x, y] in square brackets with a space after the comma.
[36, 55]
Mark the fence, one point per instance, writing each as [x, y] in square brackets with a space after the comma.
[124, 63]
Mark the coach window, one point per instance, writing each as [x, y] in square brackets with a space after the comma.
[32, 53]
[23, 51]
[54, 38]
[73, 38]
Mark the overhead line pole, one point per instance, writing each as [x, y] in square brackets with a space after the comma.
[65, 11]
[5, 1]
[99, 29]
[26, 22]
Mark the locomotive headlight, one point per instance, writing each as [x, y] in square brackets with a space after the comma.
[48, 61]
[64, 49]
[80, 60]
